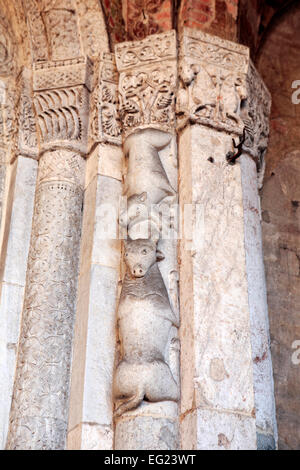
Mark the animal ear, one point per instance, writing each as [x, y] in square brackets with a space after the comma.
[142, 197]
[159, 255]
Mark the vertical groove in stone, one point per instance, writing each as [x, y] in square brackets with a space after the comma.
[39, 411]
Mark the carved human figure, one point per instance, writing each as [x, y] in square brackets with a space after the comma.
[147, 183]
[145, 319]
[202, 89]
[233, 91]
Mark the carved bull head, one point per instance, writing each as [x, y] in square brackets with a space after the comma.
[140, 255]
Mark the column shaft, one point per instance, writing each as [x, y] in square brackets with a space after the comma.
[40, 401]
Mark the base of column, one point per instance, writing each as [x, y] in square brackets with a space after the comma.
[153, 426]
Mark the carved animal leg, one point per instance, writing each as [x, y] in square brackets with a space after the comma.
[160, 384]
[128, 387]
[130, 403]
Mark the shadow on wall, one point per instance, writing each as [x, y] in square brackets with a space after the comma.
[279, 64]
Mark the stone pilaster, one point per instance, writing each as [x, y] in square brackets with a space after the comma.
[39, 410]
[146, 376]
[15, 234]
[256, 117]
[220, 296]
[91, 407]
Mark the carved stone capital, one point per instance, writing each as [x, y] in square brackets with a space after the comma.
[147, 85]
[61, 98]
[256, 117]
[63, 166]
[27, 138]
[105, 123]
[212, 74]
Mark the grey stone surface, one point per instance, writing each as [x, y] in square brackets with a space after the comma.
[146, 433]
[265, 442]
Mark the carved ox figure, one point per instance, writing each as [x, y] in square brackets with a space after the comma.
[145, 319]
[147, 183]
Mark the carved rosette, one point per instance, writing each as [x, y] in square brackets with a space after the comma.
[105, 122]
[147, 85]
[61, 99]
[212, 74]
[256, 118]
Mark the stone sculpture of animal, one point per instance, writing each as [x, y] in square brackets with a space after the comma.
[145, 319]
[147, 183]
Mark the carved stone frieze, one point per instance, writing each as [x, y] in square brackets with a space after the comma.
[38, 36]
[147, 85]
[54, 30]
[154, 48]
[61, 98]
[62, 73]
[61, 21]
[105, 122]
[212, 74]
[8, 119]
[7, 63]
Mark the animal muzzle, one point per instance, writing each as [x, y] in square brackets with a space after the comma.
[138, 270]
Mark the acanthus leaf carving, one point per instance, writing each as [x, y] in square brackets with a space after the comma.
[105, 122]
[147, 85]
[256, 118]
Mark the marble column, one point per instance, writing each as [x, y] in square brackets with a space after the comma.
[225, 357]
[39, 412]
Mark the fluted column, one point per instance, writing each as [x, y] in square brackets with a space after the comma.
[39, 410]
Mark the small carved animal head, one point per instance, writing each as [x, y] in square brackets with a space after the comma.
[241, 88]
[136, 209]
[188, 71]
[140, 255]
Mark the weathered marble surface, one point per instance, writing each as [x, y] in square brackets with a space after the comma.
[91, 420]
[39, 410]
[13, 283]
[258, 307]
[216, 359]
